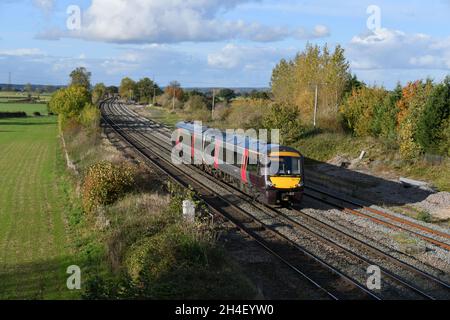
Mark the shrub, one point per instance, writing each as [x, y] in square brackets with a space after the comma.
[424, 216]
[444, 146]
[286, 119]
[90, 118]
[411, 106]
[197, 108]
[247, 114]
[431, 121]
[36, 114]
[370, 112]
[70, 101]
[105, 183]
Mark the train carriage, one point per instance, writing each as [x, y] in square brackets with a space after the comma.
[271, 173]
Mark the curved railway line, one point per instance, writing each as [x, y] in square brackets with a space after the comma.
[152, 142]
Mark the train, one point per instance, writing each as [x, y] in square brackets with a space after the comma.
[270, 173]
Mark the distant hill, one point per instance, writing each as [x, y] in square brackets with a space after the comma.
[237, 90]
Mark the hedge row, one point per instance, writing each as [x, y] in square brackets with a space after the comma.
[12, 115]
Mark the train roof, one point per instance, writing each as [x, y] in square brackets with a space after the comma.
[241, 141]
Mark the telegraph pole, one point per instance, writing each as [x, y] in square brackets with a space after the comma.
[213, 103]
[154, 90]
[315, 104]
[173, 99]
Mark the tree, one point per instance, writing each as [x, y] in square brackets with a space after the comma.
[81, 77]
[127, 88]
[286, 119]
[370, 111]
[111, 90]
[28, 89]
[174, 91]
[146, 89]
[227, 95]
[411, 106]
[294, 83]
[98, 93]
[69, 102]
[431, 121]
[353, 84]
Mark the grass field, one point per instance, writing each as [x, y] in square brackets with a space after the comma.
[10, 96]
[34, 242]
[25, 107]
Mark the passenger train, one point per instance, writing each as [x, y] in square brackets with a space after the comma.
[270, 173]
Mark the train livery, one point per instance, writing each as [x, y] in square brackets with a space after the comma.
[270, 173]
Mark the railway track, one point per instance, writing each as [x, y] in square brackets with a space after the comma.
[391, 221]
[397, 286]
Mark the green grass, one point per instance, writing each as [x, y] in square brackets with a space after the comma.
[164, 116]
[25, 107]
[35, 248]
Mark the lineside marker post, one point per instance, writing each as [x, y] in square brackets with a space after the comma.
[189, 211]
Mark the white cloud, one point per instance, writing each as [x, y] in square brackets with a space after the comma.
[21, 52]
[247, 57]
[45, 5]
[393, 49]
[170, 21]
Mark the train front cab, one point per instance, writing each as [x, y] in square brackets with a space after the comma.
[284, 176]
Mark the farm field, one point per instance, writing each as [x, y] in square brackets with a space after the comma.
[34, 242]
[25, 107]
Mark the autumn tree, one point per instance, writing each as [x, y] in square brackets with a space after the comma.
[81, 77]
[174, 90]
[370, 111]
[295, 82]
[127, 88]
[69, 102]
[98, 93]
[411, 106]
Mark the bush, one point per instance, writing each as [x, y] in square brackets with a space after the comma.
[105, 183]
[247, 114]
[424, 216]
[70, 101]
[444, 146]
[431, 121]
[286, 119]
[172, 260]
[90, 118]
[36, 114]
[411, 106]
[370, 112]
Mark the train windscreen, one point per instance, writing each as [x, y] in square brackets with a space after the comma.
[285, 166]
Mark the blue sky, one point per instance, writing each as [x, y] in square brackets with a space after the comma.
[214, 43]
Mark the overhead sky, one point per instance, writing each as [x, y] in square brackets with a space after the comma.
[218, 43]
